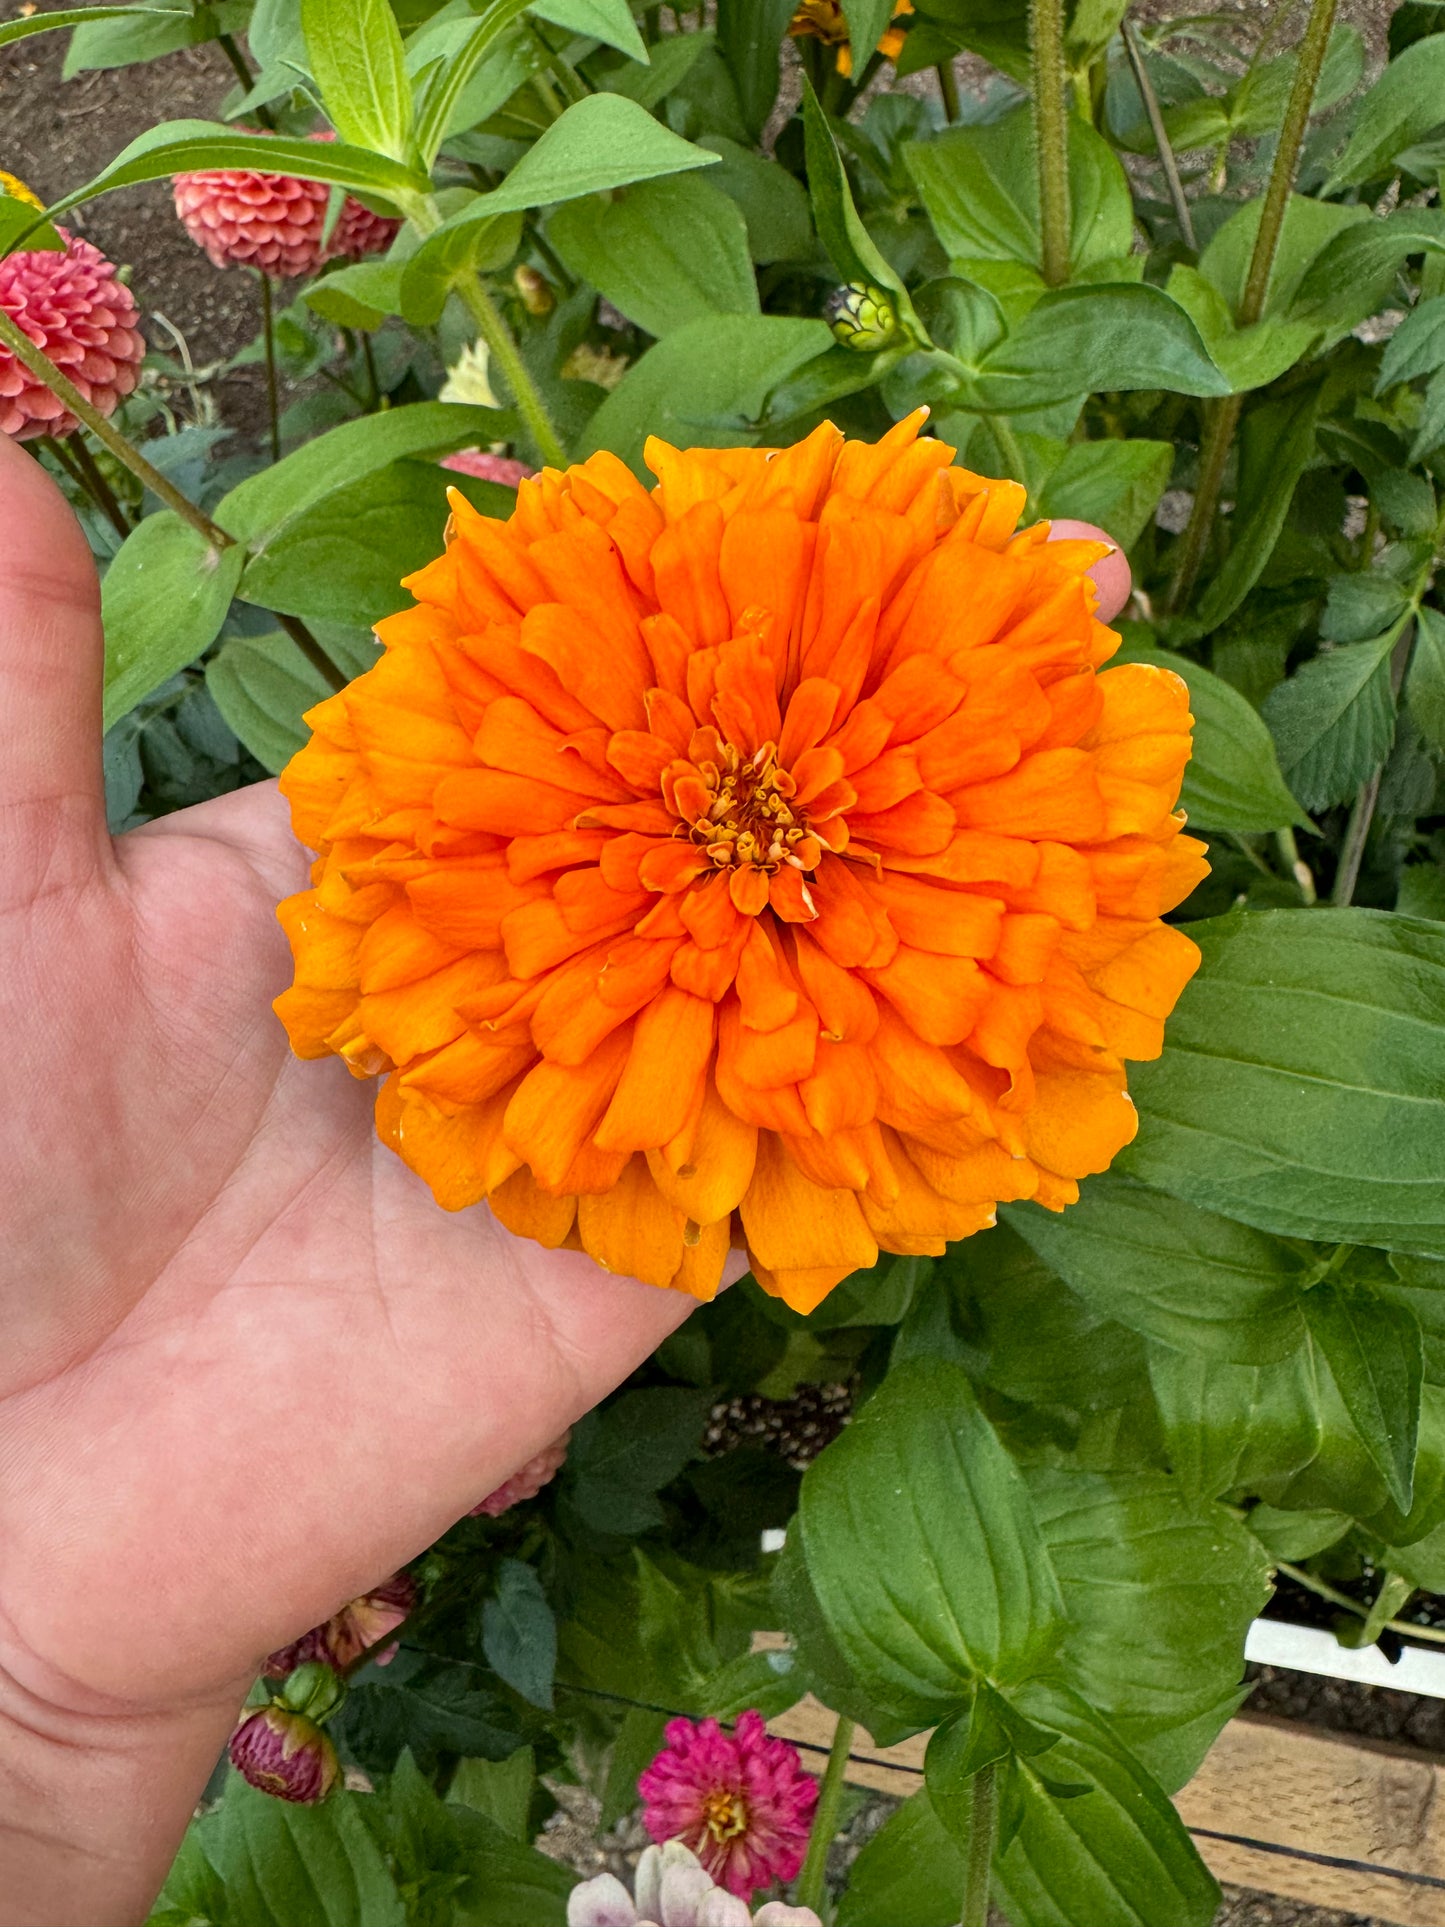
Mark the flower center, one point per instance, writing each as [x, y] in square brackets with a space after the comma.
[724, 1814]
[741, 810]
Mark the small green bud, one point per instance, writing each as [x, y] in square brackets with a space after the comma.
[862, 317]
[314, 1689]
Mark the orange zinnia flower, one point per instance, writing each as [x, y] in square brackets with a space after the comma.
[823, 20]
[757, 859]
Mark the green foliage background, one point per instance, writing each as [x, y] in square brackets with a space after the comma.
[1083, 1444]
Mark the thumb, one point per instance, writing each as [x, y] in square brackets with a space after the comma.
[52, 790]
[1111, 575]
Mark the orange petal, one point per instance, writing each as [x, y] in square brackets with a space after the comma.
[706, 1171]
[632, 1229]
[672, 1041]
[532, 1213]
[790, 1222]
[557, 1107]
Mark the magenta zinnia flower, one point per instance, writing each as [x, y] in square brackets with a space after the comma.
[527, 1483]
[274, 222]
[285, 1754]
[359, 1625]
[739, 1800]
[72, 306]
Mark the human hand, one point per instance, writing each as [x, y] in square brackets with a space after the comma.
[250, 1367]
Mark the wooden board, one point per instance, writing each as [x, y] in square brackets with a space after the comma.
[1277, 1806]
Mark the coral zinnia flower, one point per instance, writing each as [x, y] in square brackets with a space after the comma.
[739, 1800]
[274, 222]
[539, 1471]
[72, 306]
[761, 855]
[824, 20]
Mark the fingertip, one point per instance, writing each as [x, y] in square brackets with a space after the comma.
[1111, 575]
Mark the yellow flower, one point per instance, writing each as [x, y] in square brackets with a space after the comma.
[823, 20]
[758, 859]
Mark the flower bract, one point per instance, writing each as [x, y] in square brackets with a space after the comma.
[359, 1625]
[765, 858]
[740, 1801]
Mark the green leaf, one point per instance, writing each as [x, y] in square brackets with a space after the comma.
[663, 253]
[188, 146]
[669, 64]
[609, 21]
[1116, 484]
[1425, 684]
[979, 188]
[1402, 107]
[817, 1655]
[263, 686]
[122, 36]
[519, 1633]
[361, 296]
[1351, 277]
[82, 17]
[1249, 357]
[922, 1550]
[1158, 1592]
[850, 247]
[1117, 1857]
[773, 204]
[501, 1789]
[705, 386]
[1333, 721]
[1074, 340]
[1276, 444]
[19, 222]
[1302, 1087]
[194, 1892]
[750, 36]
[462, 245]
[625, 1452]
[454, 73]
[342, 559]
[433, 1706]
[599, 143]
[1186, 1277]
[1361, 605]
[356, 56]
[1232, 780]
[910, 1871]
[1307, 229]
[284, 1863]
[1229, 1427]
[1417, 346]
[1374, 1351]
[163, 601]
[258, 509]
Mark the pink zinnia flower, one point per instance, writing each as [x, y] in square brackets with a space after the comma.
[527, 1483]
[349, 1633]
[739, 1800]
[72, 306]
[274, 222]
[505, 469]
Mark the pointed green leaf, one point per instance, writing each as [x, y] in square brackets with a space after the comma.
[1302, 1086]
[283, 1863]
[1120, 335]
[163, 601]
[1375, 1353]
[82, 17]
[609, 21]
[355, 52]
[441, 97]
[602, 142]
[1403, 105]
[851, 248]
[519, 1633]
[1425, 684]
[663, 252]
[1228, 1428]
[1334, 721]
[911, 1871]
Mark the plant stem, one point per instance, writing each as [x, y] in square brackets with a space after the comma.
[809, 1890]
[507, 355]
[125, 452]
[1295, 864]
[981, 1829]
[948, 88]
[1051, 133]
[368, 355]
[1286, 160]
[1357, 834]
[240, 67]
[99, 487]
[1435, 1635]
[312, 650]
[269, 331]
[1182, 213]
[1222, 417]
[1009, 447]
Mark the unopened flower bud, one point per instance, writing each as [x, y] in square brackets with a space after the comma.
[862, 317]
[314, 1689]
[535, 290]
[285, 1754]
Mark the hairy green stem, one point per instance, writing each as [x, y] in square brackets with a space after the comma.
[948, 88]
[1182, 213]
[1222, 417]
[810, 1889]
[1051, 133]
[125, 452]
[505, 352]
[1009, 447]
[982, 1825]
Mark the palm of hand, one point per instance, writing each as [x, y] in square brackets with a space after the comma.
[250, 1366]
